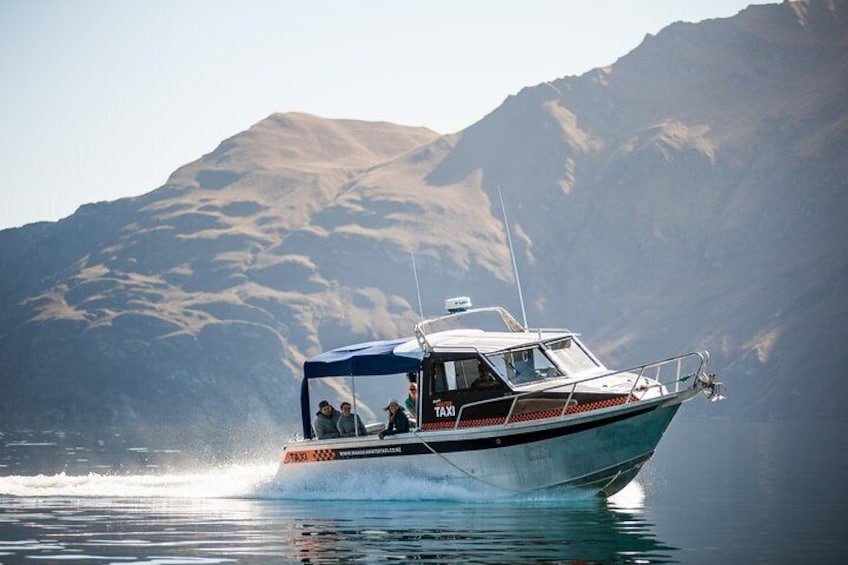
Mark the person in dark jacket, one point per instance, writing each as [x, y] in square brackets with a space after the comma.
[398, 422]
[349, 424]
[325, 421]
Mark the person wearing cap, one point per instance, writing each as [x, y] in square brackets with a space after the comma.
[325, 421]
[398, 422]
[349, 424]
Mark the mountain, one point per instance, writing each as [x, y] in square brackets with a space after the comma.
[184, 309]
[691, 195]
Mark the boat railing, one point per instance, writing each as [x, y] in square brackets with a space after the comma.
[661, 376]
[425, 327]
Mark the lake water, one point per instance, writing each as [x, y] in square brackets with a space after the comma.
[715, 492]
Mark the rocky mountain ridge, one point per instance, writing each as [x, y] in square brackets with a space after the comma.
[693, 194]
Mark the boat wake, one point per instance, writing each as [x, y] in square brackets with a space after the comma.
[233, 481]
[258, 482]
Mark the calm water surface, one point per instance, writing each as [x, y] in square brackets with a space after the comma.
[741, 493]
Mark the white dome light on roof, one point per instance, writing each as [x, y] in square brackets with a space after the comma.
[458, 304]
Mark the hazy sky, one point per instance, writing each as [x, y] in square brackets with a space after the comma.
[104, 99]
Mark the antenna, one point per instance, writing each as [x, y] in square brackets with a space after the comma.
[417, 287]
[512, 255]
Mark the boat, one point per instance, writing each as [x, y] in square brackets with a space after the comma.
[551, 415]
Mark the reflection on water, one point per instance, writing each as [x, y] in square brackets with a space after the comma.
[219, 530]
[91, 511]
[714, 493]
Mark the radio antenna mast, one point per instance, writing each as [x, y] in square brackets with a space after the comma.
[417, 287]
[512, 255]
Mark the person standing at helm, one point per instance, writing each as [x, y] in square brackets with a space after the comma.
[411, 402]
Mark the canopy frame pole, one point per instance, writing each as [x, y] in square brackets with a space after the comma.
[355, 411]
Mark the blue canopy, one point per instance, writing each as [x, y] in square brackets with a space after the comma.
[363, 359]
[372, 358]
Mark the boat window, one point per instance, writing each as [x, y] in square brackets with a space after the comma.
[450, 375]
[439, 379]
[459, 374]
[571, 356]
[524, 366]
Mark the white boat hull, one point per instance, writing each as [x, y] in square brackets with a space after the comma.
[600, 451]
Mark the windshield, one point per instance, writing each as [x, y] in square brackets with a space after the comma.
[524, 366]
[570, 356]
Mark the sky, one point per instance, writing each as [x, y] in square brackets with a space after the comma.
[103, 99]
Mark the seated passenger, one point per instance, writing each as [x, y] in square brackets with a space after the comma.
[349, 424]
[398, 422]
[325, 421]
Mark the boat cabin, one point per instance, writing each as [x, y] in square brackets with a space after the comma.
[469, 377]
